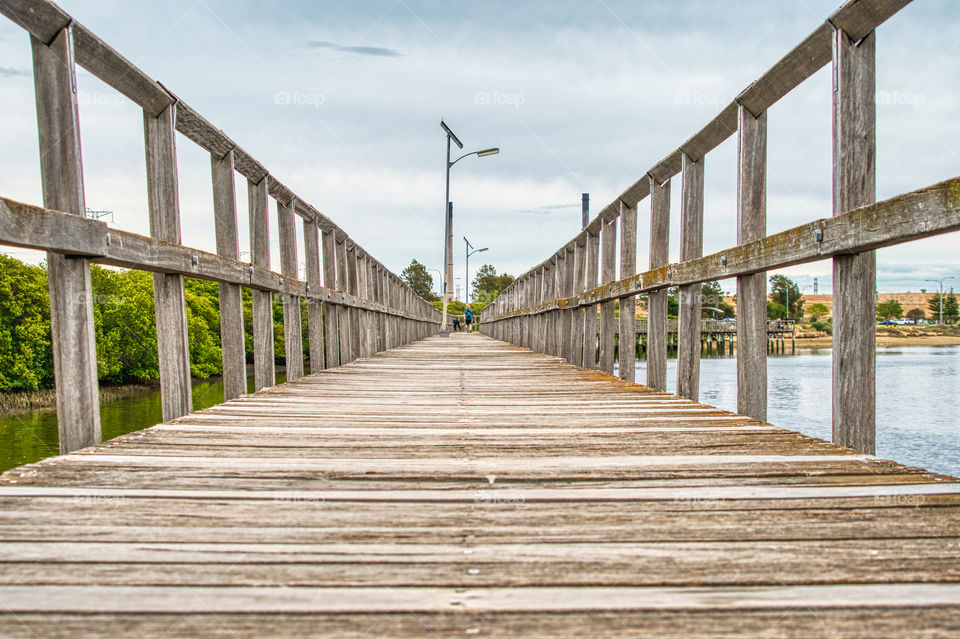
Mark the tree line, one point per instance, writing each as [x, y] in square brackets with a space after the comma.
[124, 325]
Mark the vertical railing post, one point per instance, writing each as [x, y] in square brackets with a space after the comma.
[577, 314]
[292, 331]
[691, 247]
[353, 287]
[590, 312]
[539, 341]
[608, 273]
[657, 300]
[559, 280]
[569, 282]
[163, 201]
[311, 256]
[71, 294]
[232, 349]
[264, 373]
[331, 311]
[347, 353]
[752, 289]
[854, 276]
[628, 305]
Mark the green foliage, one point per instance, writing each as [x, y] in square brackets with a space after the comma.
[916, 314]
[776, 311]
[816, 311]
[712, 303]
[203, 327]
[782, 288]
[823, 325]
[419, 279]
[26, 358]
[951, 313]
[712, 298]
[889, 309]
[487, 284]
[124, 326]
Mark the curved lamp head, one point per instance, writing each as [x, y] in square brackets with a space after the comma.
[486, 152]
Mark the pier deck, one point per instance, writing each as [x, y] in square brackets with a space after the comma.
[463, 486]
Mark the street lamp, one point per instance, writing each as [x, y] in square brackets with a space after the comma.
[440, 273]
[448, 217]
[467, 252]
[940, 282]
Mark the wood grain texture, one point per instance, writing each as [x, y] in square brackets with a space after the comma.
[854, 276]
[231, 298]
[264, 372]
[331, 311]
[752, 289]
[657, 300]
[608, 273]
[926, 212]
[292, 331]
[315, 330]
[68, 279]
[628, 305]
[590, 327]
[691, 302]
[475, 485]
[163, 201]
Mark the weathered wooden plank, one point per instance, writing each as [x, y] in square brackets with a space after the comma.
[691, 298]
[70, 289]
[859, 17]
[292, 332]
[628, 305]
[577, 314]
[657, 300]
[347, 354]
[315, 329]
[163, 199]
[607, 309]
[103, 61]
[264, 373]
[930, 211]
[331, 311]
[590, 312]
[146, 599]
[854, 276]
[231, 299]
[808, 57]
[752, 289]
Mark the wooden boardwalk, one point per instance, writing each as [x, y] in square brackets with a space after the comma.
[467, 487]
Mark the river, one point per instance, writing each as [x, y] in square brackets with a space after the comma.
[918, 405]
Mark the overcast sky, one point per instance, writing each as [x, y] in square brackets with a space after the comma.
[342, 102]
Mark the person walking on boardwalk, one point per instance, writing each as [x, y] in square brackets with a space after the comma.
[468, 318]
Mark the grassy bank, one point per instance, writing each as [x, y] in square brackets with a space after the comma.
[25, 401]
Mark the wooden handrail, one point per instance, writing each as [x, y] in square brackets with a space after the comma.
[528, 311]
[361, 307]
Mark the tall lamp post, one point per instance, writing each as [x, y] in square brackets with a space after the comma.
[940, 297]
[448, 217]
[467, 253]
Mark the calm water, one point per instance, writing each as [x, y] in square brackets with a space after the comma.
[918, 399]
[918, 405]
[29, 437]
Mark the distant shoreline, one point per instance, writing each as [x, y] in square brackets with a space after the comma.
[886, 341]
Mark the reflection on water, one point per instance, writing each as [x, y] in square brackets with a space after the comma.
[918, 398]
[29, 437]
[918, 403]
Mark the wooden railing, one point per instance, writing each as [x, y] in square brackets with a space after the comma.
[356, 306]
[550, 307]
